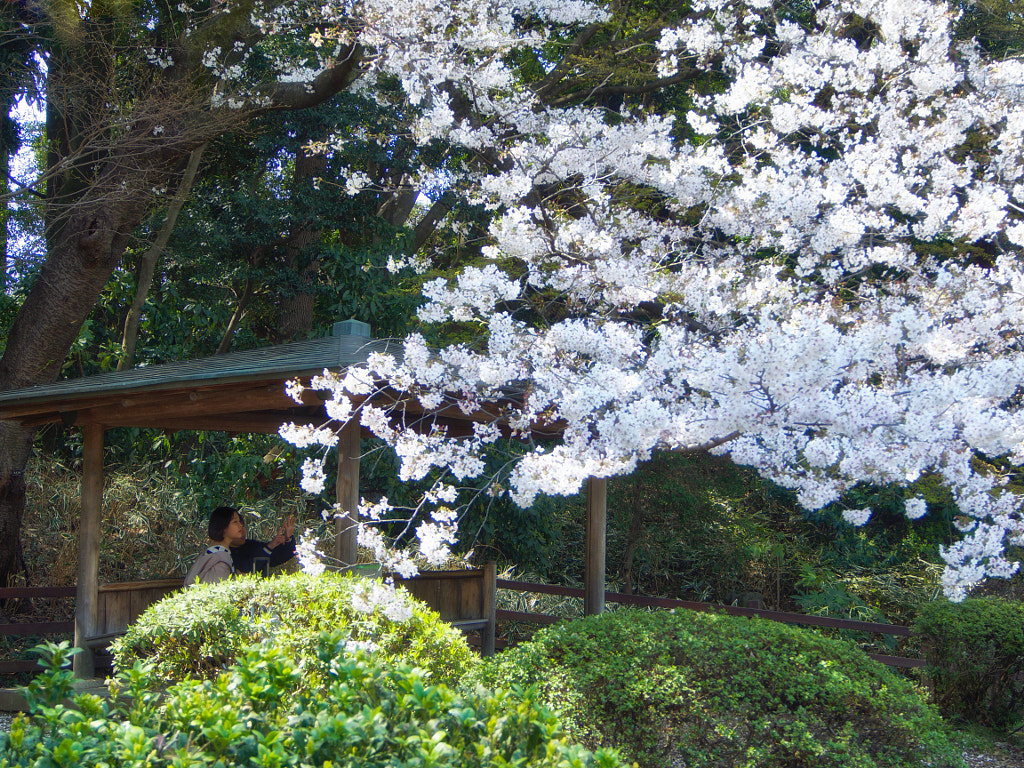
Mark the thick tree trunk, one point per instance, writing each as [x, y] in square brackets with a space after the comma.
[636, 524]
[4, 212]
[82, 258]
[295, 310]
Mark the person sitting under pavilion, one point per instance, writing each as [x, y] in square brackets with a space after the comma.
[225, 529]
[252, 556]
[231, 552]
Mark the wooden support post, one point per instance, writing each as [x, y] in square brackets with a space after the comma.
[593, 576]
[89, 548]
[489, 611]
[345, 546]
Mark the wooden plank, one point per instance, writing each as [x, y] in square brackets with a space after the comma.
[544, 589]
[260, 423]
[30, 592]
[425, 589]
[144, 407]
[20, 665]
[138, 601]
[38, 628]
[128, 586]
[471, 600]
[665, 602]
[470, 625]
[448, 600]
[431, 591]
[89, 546]
[487, 637]
[596, 546]
[141, 600]
[347, 494]
[527, 618]
[116, 617]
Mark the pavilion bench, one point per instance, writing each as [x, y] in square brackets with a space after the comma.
[465, 599]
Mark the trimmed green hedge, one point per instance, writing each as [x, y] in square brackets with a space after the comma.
[201, 630]
[975, 655]
[368, 715]
[703, 690]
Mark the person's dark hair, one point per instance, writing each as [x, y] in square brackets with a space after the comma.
[219, 520]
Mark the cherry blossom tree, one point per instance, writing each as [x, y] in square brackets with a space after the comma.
[815, 271]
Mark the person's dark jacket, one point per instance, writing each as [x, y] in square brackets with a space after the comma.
[244, 557]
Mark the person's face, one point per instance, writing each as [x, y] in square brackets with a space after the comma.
[234, 534]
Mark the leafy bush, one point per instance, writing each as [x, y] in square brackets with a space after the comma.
[370, 714]
[203, 629]
[975, 655]
[701, 689]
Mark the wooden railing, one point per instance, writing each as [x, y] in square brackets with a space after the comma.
[36, 627]
[464, 599]
[118, 605]
[121, 604]
[663, 602]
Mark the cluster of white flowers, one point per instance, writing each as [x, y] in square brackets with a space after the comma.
[846, 356]
[915, 508]
[161, 59]
[313, 477]
[356, 182]
[417, 263]
[308, 556]
[856, 517]
[371, 595]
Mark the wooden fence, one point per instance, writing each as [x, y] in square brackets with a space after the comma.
[121, 604]
[663, 602]
[33, 628]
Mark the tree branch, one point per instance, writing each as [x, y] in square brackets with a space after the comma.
[607, 90]
[147, 264]
[425, 228]
[288, 96]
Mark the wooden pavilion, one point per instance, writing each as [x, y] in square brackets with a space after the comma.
[241, 392]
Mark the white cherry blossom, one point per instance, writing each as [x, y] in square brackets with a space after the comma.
[778, 308]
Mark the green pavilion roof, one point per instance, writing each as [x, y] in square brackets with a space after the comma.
[227, 389]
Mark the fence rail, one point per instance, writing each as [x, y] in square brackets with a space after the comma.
[22, 629]
[124, 604]
[664, 602]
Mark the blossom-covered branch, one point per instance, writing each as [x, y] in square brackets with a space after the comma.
[754, 276]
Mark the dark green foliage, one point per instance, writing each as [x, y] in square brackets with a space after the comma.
[203, 629]
[703, 528]
[704, 690]
[370, 714]
[975, 654]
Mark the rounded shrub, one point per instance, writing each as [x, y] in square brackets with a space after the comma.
[975, 655]
[369, 714]
[703, 690]
[203, 629]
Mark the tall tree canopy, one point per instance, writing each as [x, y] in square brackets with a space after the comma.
[132, 89]
[135, 90]
[786, 233]
[812, 264]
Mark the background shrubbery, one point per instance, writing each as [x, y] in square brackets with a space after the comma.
[706, 690]
[256, 713]
[975, 655]
[204, 629]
